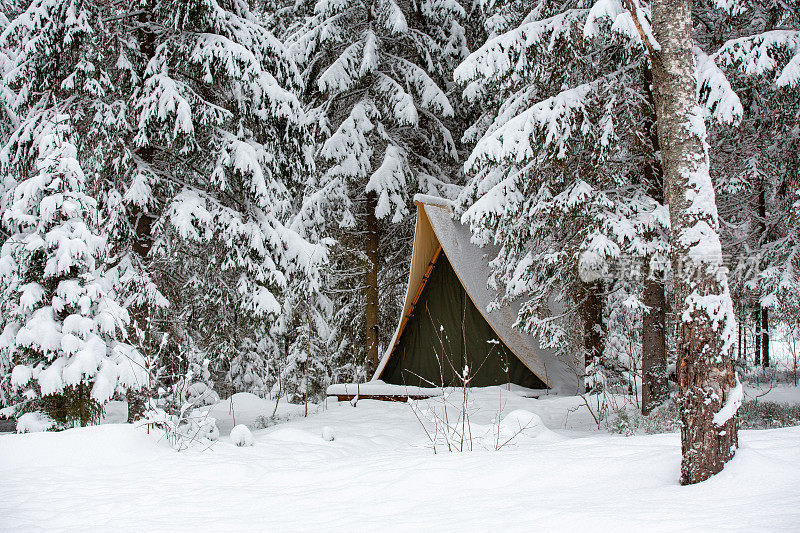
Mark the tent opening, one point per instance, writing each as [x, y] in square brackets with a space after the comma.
[444, 333]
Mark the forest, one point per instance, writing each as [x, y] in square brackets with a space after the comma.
[209, 199]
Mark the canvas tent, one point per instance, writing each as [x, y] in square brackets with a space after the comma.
[445, 324]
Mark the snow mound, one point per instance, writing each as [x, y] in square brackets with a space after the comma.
[294, 436]
[250, 410]
[241, 436]
[447, 426]
[35, 422]
[327, 434]
[522, 423]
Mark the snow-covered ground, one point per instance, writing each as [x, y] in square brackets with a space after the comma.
[379, 473]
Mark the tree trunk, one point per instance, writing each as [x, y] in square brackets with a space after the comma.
[142, 223]
[371, 293]
[739, 344]
[655, 381]
[764, 337]
[763, 320]
[703, 302]
[655, 385]
[592, 318]
[757, 340]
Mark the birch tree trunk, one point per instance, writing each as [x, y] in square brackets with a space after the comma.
[706, 322]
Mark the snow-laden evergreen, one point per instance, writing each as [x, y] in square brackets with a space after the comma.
[218, 146]
[63, 325]
[191, 141]
[376, 76]
[564, 176]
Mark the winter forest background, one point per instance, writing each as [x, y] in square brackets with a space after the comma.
[218, 194]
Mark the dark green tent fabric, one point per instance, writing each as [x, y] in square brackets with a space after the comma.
[434, 343]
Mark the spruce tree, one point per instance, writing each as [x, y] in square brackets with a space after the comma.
[374, 73]
[565, 177]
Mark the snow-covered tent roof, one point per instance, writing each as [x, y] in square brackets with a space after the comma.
[436, 232]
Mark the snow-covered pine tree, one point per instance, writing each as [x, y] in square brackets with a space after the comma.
[196, 143]
[63, 326]
[220, 131]
[63, 320]
[564, 174]
[374, 73]
[754, 161]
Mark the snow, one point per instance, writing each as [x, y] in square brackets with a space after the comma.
[379, 473]
[731, 405]
[378, 387]
[246, 408]
[242, 436]
[34, 423]
[432, 200]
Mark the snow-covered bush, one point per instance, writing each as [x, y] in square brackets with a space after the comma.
[446, 422]
[200, 394]
[34, 422]
[628, 420]
[756, 414]
[241, 436]
[263, 421]
[186, 428]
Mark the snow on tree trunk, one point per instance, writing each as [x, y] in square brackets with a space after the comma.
[705, 310]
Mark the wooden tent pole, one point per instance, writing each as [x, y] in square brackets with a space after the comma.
[417, 295]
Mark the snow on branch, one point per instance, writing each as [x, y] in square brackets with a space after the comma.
[393, 18]
[343, 73]
[715, 91]
[506, 53]
[550, 122]
[622, 23]
[388, 183]
[400, 103]
[762, 54]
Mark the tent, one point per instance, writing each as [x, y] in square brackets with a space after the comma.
[445, 324]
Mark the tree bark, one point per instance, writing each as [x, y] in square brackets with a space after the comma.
[764, 337]
[757, 339]
[371, 293]
[763, 320]
[655, 381]
[655, 385]
[703, 303]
